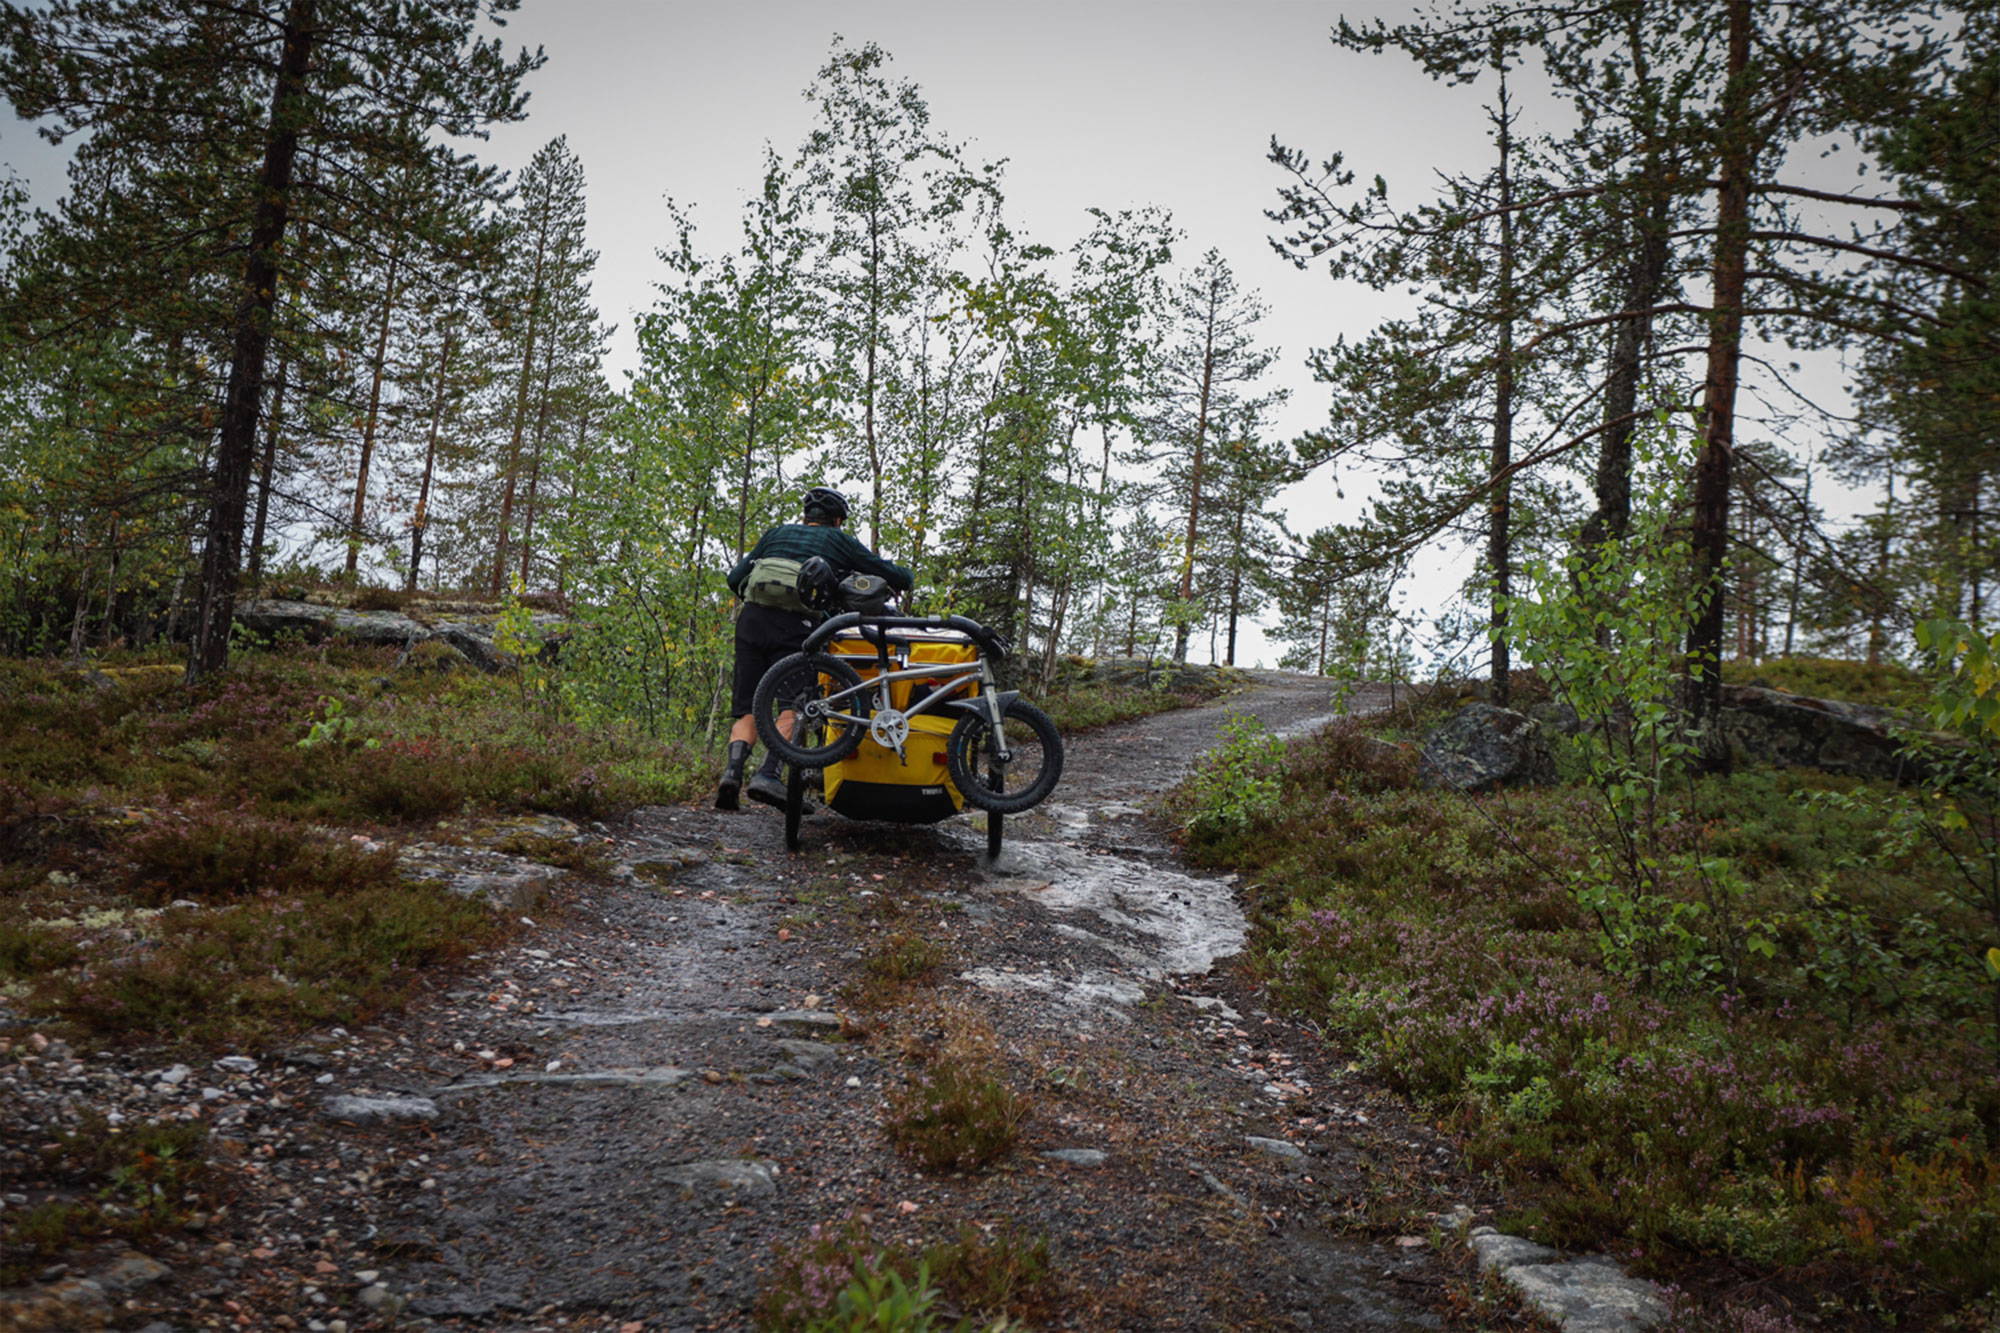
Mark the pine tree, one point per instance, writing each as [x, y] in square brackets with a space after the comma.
[882, 183]
[550, 330]
[329, 74]
[1207, 373]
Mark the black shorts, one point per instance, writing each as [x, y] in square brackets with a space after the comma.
[763, 636]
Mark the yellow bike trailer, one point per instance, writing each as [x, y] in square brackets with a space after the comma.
[904, 722]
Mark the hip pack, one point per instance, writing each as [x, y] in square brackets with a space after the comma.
[774, 582]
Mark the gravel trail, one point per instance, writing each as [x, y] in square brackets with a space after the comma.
[623, 1119]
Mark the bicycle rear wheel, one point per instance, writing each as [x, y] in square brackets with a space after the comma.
[799, 685]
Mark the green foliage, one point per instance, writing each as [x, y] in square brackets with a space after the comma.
[956, 1114]
[1832, 1105]
[839, 1279]
[335, 726]
[1236, 784]
[1603, 630]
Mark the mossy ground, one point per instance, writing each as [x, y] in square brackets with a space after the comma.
[1818, 1109]
[216, 865]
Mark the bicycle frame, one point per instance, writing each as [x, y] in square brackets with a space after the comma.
[889, 726]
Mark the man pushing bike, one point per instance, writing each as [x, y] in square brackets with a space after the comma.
[775, 619]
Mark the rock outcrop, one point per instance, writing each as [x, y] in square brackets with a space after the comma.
[462, 639]
[1766, 726]
[1482, 747]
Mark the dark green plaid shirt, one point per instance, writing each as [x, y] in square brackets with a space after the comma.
[802, 541]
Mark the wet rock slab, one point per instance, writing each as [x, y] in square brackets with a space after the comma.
[729, 1175]
[665, 1076]
[1582, 1295]
[355, 1110]
[510, 883]
[1184, 922]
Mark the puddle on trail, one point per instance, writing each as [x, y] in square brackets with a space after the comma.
[1181, 923]
[1292, 731]
[1092, 992]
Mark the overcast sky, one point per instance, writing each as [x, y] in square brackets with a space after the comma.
[1094, 103]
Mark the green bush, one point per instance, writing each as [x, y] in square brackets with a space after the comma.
[1829, 1106]
[956, 1114]
[1882, 684]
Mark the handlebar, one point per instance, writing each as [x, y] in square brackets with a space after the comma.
[994, 645]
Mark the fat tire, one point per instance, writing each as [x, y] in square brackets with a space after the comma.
[966, 753]
[789, 679]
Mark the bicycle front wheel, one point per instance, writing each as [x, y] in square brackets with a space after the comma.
[1012, 772]
[801, 686]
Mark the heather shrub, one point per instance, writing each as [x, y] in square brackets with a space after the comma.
[1084, 706]
[956, 1112]
[380, 599]
[268, 968]
[133, 1181]
[1827, 1101]
[839, 1277]
[212, 855]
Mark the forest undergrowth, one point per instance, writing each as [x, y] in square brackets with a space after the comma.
[273, 799]
[1767, 1074]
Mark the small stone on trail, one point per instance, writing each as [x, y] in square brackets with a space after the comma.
[744, 1175]
[1077, 1156]
[379, 1110]
[1275, 1147]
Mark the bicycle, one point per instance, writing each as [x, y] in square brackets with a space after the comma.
[867, 701]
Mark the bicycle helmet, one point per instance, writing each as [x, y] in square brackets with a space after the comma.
[818, 582]
[827, 502]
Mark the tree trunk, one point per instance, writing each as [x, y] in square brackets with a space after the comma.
[1186, 592]
[1878, 636]
[236, 447]
[535, 467]
[520, 409]
[271, 429]
[1710, 533]
[1629, 339]
[868, 404]
[421, 519]
[1499, 534]
[373, 420]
